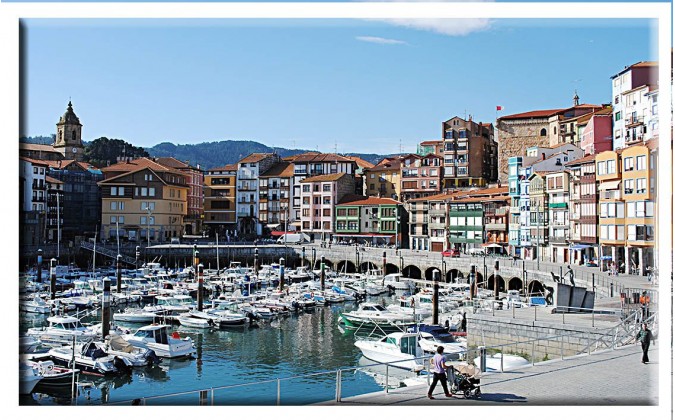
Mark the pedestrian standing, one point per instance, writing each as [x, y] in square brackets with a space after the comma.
[644, 337]
[438, 368]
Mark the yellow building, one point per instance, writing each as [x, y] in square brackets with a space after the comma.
[142, 196]
[639, 193]
[220, 194]
[383, 180]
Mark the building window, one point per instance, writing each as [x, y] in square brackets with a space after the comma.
[641, 162]
[144, 192]
[628, 186]
[151, 192]
[617, 116]
[641, 186]
[628, 164]
[542, 132]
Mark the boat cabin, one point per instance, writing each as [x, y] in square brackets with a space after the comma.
[153, 332]
[65, 323]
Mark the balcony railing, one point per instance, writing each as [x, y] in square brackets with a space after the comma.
[514, 209]
[501, 211]
[495, 226]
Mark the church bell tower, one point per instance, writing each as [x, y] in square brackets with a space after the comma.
[69, 135]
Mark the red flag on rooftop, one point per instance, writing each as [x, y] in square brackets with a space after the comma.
[499, 107]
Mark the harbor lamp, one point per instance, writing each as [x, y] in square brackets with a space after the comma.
[303, 256]
[358, 265]
[281, 274]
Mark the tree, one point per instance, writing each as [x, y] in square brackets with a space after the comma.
[104, 151]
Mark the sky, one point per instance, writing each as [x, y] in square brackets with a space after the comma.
[371, 86]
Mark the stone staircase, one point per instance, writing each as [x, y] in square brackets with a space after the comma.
[107, 252]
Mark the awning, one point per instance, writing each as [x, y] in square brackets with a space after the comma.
[578, 247]
[298, 224]
[493, 246]
[273, 225]
[609, 185]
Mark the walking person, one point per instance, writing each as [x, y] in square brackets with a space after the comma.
[438, 368]
[644, 337]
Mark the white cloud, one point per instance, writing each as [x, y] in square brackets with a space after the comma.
[449, 26]
[378, 40]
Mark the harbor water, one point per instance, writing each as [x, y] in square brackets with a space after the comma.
[303, 350]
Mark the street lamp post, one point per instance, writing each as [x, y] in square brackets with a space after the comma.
[147, 234]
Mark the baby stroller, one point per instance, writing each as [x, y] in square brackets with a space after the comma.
[465, 379]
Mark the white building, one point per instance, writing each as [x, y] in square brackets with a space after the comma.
[625, 97]
[248, 171]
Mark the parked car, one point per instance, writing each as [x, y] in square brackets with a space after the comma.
[450, 253]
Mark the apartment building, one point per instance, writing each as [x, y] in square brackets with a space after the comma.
[638, 177]
[583, 214]
[612, 230]
[539, 225]
[32, 200]
[370, 219]
[384, 179]
[430, 147]
[276, 187]
[195, 200]
[628, 89]
[558, 191]
[248, 203]
[318, 195]
[312, 164]
[469, 154]
[420, 176]
[596, 131]
[142, 200]
[428, 223]
[220, 200]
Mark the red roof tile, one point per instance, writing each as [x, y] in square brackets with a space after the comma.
[281, 169]
[532, 114]
[359, 200]
[325, 178]
[255, 157]
[361, 163]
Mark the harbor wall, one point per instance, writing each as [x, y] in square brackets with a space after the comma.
[516, 335]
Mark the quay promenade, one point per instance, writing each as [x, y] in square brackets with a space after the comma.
[608, 378]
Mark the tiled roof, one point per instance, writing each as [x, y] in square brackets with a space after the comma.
[281, 169]
[52, 180]
[34, 161]
[493, 190]
[637, 65]
[41, 147]
[172, 162]
[359, 200]
[652, 144]
[532, 114]
[232, 167]
[361, 163]
[255, 157]
[319, 157]
[431, 142]
[587, 158]
[388, 166]
[325, 178]
[137, 164]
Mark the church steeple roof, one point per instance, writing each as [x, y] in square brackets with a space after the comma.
[69, 116]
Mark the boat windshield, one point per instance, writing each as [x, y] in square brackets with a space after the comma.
[408, 345]
[373, 308]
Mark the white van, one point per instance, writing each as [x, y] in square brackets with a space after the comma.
[293, 238]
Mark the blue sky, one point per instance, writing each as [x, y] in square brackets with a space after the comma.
[364, 85]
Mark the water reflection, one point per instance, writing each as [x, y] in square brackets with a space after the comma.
[296, 345]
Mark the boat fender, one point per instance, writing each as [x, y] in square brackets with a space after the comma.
[312, 295]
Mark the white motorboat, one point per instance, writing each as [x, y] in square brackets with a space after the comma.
[196, 319]
[156, 337]
[37, 305]
[29, 376]
[89, 358]
[115, 345]
[398, 282]
[374, 315]
[226, 315]
[493, 362]
[61, 330]
[398, 349]
[429, 344]
[52, 375]
[135, 315]
[174, 303]
[28, 344]
[375, 289]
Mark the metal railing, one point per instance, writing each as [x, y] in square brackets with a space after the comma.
[621, 334]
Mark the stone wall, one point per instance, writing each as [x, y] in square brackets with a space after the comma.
[486, 330]
[515, 137]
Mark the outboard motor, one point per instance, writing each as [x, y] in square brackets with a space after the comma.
[152, 357]
[121, 365]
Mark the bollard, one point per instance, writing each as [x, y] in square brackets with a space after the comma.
[482, 354]
[611, 289]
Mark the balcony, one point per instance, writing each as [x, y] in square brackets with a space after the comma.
[557, 240]
[610, 195]
[496, 226]
[436, 225]
[437, 212]
[501, 211]
[514, 209]
[514, 227]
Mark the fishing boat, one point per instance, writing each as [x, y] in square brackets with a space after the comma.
[227, 315]
[156, 337]
[52, 374]
[116, 345]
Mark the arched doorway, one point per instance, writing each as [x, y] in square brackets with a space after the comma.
[390, 268]
[346, 267]
[412, 271]
[515, 284]
[500, 283]
[428, 273]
